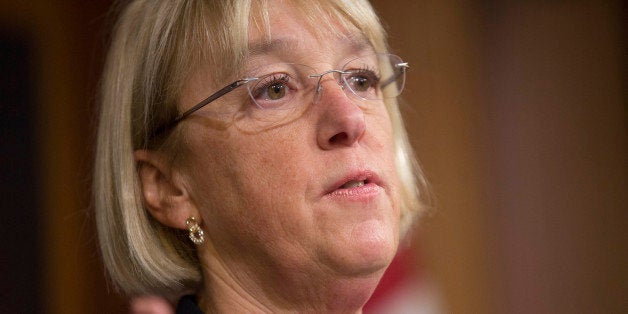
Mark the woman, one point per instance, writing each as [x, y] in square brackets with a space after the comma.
[251, 155]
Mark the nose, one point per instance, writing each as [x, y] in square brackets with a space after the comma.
[341, 122]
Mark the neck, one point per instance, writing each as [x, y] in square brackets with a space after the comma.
[233, 288]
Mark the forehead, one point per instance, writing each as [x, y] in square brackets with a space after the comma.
[290, 34]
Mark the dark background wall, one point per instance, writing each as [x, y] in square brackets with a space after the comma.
[47, 151]
[517, 110]
[18, 149]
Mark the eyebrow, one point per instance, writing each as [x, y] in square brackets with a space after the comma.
[268, 47]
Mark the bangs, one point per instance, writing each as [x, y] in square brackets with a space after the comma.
[205, 42]
[327, 18]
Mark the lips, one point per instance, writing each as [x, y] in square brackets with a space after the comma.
[355, 183]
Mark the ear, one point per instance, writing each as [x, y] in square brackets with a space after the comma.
[163, 188]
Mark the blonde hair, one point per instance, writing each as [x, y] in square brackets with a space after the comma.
[155, 46]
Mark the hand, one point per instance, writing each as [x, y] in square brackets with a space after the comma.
[150, 304]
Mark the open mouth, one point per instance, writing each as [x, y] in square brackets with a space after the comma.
[353, 184]
[359, 183]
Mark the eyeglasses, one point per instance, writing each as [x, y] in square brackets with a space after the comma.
[276, 88]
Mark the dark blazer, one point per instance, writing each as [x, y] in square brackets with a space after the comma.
[188, 305]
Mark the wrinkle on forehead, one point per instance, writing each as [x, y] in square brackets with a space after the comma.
[291, 50]
[352, 42]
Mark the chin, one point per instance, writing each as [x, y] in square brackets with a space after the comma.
[376, 244]
[370, 248]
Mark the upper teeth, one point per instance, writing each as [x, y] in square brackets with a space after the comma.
[353, 184]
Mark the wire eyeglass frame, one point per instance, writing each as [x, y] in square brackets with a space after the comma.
[399, 69]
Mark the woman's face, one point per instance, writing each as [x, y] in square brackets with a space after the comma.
[311, 195]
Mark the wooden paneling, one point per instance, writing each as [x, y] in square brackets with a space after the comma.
[557, 145]
[517, 110]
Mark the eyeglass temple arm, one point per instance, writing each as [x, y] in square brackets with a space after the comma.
[402, 69]
[211, 98]
[202, 104]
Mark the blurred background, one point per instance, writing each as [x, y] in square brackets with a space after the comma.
[517, 110]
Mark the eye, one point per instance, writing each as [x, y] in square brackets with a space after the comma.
[272, 87]
[362, 80]
[276, 91]
[360, 84]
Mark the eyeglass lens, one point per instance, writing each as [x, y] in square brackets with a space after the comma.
[286, 85]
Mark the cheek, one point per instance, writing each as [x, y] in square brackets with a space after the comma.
[381, 144]
[383, 149]
[249, 187]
